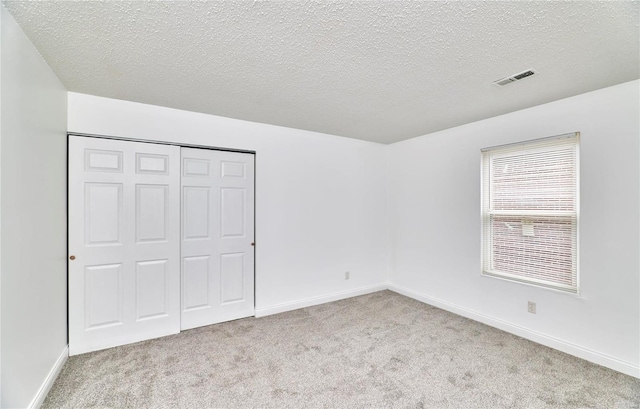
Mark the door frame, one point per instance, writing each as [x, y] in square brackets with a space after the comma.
[181, 145]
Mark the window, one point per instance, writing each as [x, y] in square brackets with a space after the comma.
[530, 209]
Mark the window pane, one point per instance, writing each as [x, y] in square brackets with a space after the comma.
[542, 248]
[541, 179]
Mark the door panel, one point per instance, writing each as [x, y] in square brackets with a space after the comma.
[232, 212]
[233, 169]
[196, 210]
[103, 213]
[195, 167]
[103, 296]
[124, 231]
[195, 271]
[153, 164]
[152, 290]
[152, 216]
[217, 251]
[98, 160]
[232, 277]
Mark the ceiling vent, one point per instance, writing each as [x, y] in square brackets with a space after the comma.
[508, 80]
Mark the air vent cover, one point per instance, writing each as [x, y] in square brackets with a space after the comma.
[515, 77]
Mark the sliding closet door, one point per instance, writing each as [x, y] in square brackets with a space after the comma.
[124, 242]
[217, 236]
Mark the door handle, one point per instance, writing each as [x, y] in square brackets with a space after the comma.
[253, 244]
[72, 258]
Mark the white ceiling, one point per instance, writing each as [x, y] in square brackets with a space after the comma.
[382, 71]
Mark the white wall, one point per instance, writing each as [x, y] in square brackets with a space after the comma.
[320, 199]
[33, 211]
[434, 201]
[1, 25]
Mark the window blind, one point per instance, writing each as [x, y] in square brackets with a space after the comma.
[530, 212]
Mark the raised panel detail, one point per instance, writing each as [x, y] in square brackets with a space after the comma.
[154, 164]
[151, 289]
[196, 167]
[232, 201]
[233, 169]
[196, 212]
[151, 212]
[195, 291]
[103, 296]
[231, 277]
[102, 160]
[103, 213]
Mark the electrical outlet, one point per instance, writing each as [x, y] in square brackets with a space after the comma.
[347, 275]
[531, 307]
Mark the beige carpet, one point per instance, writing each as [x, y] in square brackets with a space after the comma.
[379, 350]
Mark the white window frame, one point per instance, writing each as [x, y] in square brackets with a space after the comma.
[528, 214]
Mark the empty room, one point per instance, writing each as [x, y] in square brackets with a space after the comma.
[319, 204]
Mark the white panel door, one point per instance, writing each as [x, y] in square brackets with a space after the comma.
[217, 236]
[124, 242]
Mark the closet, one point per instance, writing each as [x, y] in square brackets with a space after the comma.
[161, 239]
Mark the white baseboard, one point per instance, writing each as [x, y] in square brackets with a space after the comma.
[610, 362]
[308, 302]
[51, 378]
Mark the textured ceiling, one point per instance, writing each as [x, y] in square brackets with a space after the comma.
[382, 71]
